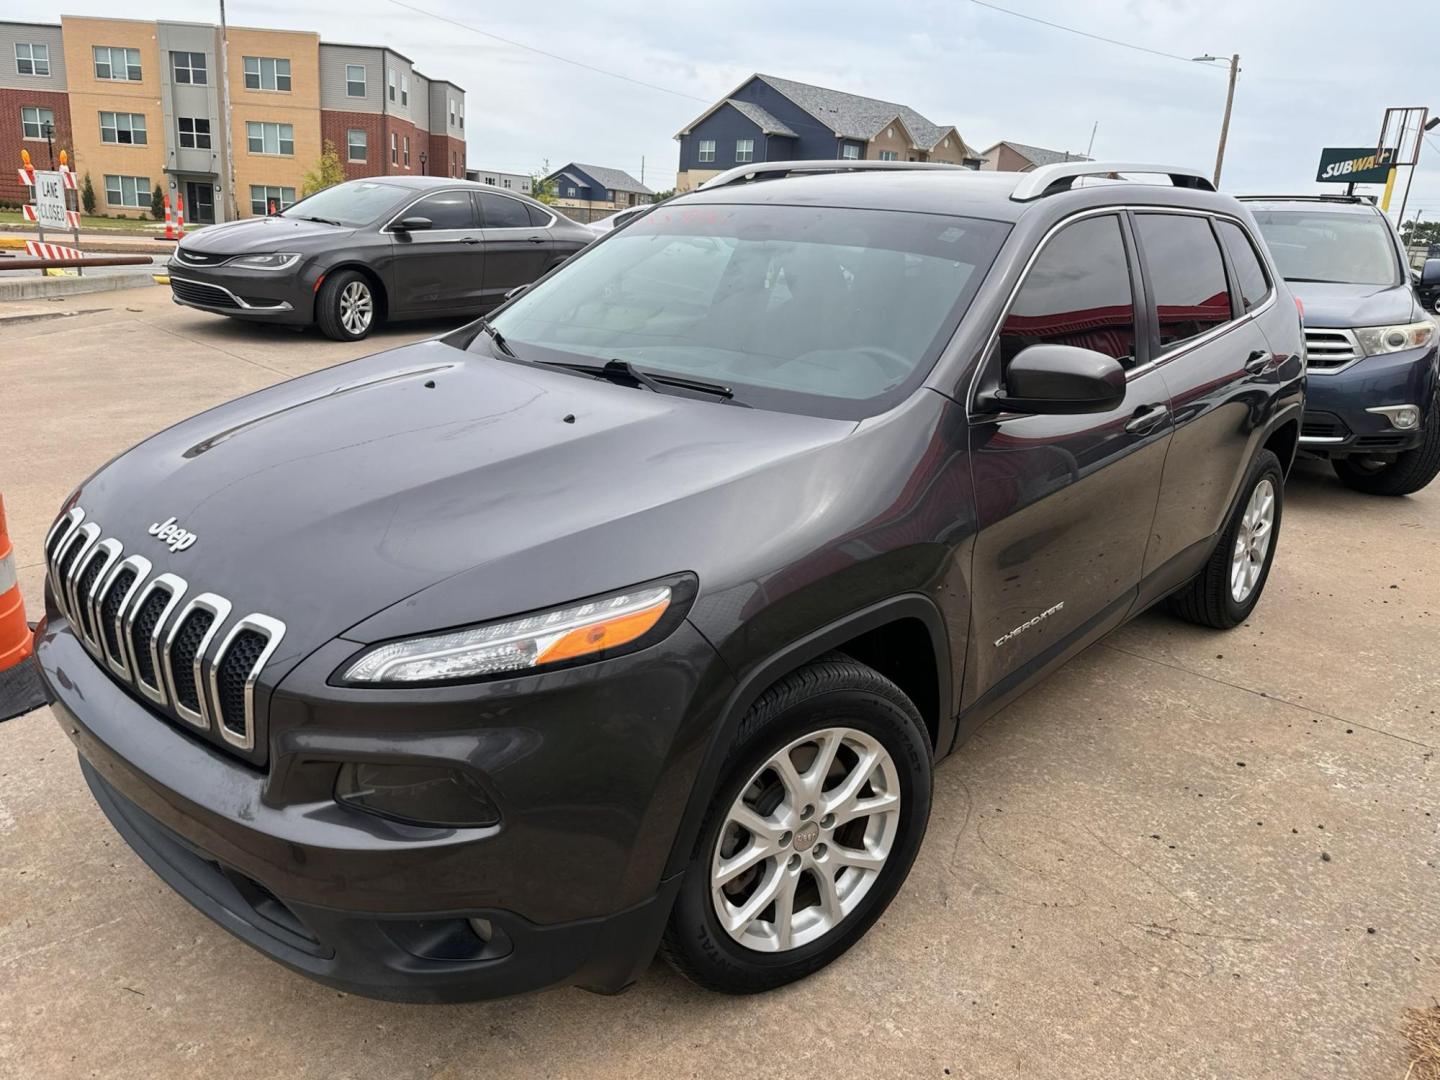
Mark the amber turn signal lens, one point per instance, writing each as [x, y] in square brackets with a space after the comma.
[606, 635]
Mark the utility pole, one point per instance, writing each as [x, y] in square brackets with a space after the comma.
[1093, 130]
[642, 169]
[1225, 125]
[231, 199]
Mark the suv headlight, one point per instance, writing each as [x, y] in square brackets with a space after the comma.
[583, 632]
[1378, 340]
[275, 260]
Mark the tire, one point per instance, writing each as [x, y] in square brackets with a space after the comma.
[332, 312]
[1210, 598]
[1407, 474]
[831, 695]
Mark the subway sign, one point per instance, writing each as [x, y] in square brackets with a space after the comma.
[1353, 165]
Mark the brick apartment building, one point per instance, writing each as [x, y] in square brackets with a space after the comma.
[140, 103]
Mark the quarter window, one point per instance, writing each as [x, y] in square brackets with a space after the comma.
[267, 73]
[707, 149]
[503, 213]
[32, 59]
[354, 80]
[33, 120]
[117, 64]
[744, 150]
[188, 67]
[266, 197]
[1187, 275]
[1078, 292]
[1249, 270]
[124, 128]
[446, 210]
[194, 132]
[264, 138]
[132, 191]
[356, 145]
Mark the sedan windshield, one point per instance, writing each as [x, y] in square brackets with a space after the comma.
[829, 311]
[1321, 245]
[354, 204]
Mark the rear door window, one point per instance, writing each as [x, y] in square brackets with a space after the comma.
[1079, 293]
[503, 213]
[1250, 274]
[1187, 276]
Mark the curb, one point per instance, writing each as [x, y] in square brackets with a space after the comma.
[42, 288]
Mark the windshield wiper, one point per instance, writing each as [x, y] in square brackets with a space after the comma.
[498, 338]
[625, 373]
[322, 221]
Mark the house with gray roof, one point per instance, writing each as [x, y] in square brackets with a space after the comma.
[593, 187]
[767, 118]
[1018, 157]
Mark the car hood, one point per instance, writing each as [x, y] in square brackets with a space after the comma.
[323, 500]
[260, 234]
[1333, 305]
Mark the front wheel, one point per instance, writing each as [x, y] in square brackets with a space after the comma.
[347, 308]
[822, 803]
[1403, 474]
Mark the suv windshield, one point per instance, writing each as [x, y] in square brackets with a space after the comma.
[357, 203]
[828, 311]
[1330, 246]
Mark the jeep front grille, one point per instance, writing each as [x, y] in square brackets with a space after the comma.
[187, 657]
[1330, 350]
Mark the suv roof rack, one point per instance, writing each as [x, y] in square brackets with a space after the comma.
[1053, 179]
[1366, 200]
[774, 170]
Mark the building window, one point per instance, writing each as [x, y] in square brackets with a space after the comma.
[889, 155]
[404, 89]
[270, 138]
[357, 145]
[188, 67]
[354, 80]
[744, 150]
[267, 73]
[122, 65]
[265, 198]
[570, 191]
[127, 191]
[33, 120]
[194, 132]
[506, 181]
[32, 59]
[452, 112]
[392, 85]
[394, 150]
[850, 152]
[707, 149]
[407, 151]
[461, 118]
[126, 129]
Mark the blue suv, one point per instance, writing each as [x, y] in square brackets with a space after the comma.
[1371, 347]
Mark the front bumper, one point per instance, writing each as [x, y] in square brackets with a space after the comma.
[1336, 422]
[284, 297]
[571, 879]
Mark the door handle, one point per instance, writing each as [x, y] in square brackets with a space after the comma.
[470, 240]
[1257, 362]
[1147, 418]
[536, 239]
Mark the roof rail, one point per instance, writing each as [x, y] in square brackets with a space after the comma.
[1366, 200]
[774, 170]
[1052, 179]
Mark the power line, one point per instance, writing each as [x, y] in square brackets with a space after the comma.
[1085, 33]
[553, 56]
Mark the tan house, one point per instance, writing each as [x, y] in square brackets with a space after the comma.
[767, 118]
[1018, 157]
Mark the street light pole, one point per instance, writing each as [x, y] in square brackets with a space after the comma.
[1229, 104]
[49, 130]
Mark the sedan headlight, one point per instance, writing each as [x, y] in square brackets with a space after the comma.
[275, 260]
[586, 631]
[1378, 340]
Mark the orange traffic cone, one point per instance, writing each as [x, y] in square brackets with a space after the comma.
[169, 221]
[15, 639]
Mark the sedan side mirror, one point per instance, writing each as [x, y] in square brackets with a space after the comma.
[1430, 276]
[412, 224]
[1060, 379]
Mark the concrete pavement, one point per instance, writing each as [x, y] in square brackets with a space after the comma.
[1188, 854]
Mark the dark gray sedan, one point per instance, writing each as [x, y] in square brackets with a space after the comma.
[353, 255]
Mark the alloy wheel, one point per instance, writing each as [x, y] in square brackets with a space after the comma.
[357, 307]
[1252, 542]
[805, 840]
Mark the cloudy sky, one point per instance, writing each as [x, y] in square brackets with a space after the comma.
[1314, 72]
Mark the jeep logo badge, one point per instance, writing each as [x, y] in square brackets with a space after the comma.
[168, 533]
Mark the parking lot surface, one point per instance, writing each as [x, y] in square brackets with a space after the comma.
[1188, 854]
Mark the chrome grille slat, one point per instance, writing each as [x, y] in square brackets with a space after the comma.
[1330, 349]
[131, 622]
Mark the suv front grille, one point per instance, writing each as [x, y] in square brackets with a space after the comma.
[1330, 350]
[187, 657]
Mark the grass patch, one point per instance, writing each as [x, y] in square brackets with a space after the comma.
[89, 223]
[1421, 1028]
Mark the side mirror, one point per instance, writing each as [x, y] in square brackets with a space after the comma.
[516, 291]
[412, 224]
[1430, 276]
[1060, 379]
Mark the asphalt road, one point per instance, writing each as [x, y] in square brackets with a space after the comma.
[1187, 854]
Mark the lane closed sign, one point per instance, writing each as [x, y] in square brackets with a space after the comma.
[50, 200]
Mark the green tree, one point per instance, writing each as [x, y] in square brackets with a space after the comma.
[661, 196]
[328, 172]
[541, 188]
[1423, 232]
[157, 203]
[87, 195]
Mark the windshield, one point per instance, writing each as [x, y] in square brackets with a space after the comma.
[357, 203]
[1321, 245]
[829, 311]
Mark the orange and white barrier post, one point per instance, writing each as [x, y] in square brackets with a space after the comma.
[179, 217]
[16, 643]
[169, 221]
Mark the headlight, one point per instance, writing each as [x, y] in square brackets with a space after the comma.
[277, 260]
[1378, 340]
[587, 630]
